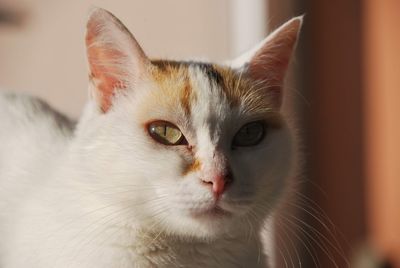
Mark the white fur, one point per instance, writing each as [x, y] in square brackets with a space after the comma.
[102, 193]
[108, 198]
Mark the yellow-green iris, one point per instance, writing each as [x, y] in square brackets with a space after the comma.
[166, 133]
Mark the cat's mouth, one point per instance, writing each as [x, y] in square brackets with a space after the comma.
[213, 212]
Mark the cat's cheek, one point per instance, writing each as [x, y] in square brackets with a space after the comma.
[261, 171]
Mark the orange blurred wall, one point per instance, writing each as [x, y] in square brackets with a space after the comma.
[382, 122]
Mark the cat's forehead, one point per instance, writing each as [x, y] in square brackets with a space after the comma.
[198, 87]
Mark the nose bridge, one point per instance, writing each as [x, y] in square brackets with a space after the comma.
[210, 148]
[215, 162]
[219, 161]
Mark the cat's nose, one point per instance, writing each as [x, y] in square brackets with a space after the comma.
[219, 183]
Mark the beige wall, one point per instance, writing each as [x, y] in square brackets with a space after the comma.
[46, 55]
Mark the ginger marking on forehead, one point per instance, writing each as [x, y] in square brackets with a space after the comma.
[234, 86]
[186, 97]
[212, 73]
[242, 90]
[173, 78]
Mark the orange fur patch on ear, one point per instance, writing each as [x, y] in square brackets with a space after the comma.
[193, 167]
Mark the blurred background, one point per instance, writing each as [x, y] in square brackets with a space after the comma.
[344, 92]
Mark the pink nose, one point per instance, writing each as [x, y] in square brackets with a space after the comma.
[219, 183]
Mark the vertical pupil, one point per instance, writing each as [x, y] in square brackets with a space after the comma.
[166, 133]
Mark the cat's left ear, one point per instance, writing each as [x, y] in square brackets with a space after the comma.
[268, 61]
[116, 60]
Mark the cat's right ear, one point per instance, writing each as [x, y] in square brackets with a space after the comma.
[116, 60]
[267, 62]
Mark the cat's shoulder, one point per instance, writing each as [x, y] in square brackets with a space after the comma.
[18, 110]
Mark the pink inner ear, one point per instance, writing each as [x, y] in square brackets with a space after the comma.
[106, 73]
[114, 57]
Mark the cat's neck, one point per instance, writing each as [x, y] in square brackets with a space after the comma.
[228, 250]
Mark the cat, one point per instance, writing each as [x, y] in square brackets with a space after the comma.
[172, 164]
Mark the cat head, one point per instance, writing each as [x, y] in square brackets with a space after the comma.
[191, 148]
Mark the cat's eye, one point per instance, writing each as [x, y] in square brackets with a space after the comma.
[166, 133]
[250, 134]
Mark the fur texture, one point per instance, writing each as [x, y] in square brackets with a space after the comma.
[103, 193]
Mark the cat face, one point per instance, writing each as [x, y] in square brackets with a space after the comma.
[198, 148]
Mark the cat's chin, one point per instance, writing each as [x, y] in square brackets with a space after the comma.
[208, 223]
